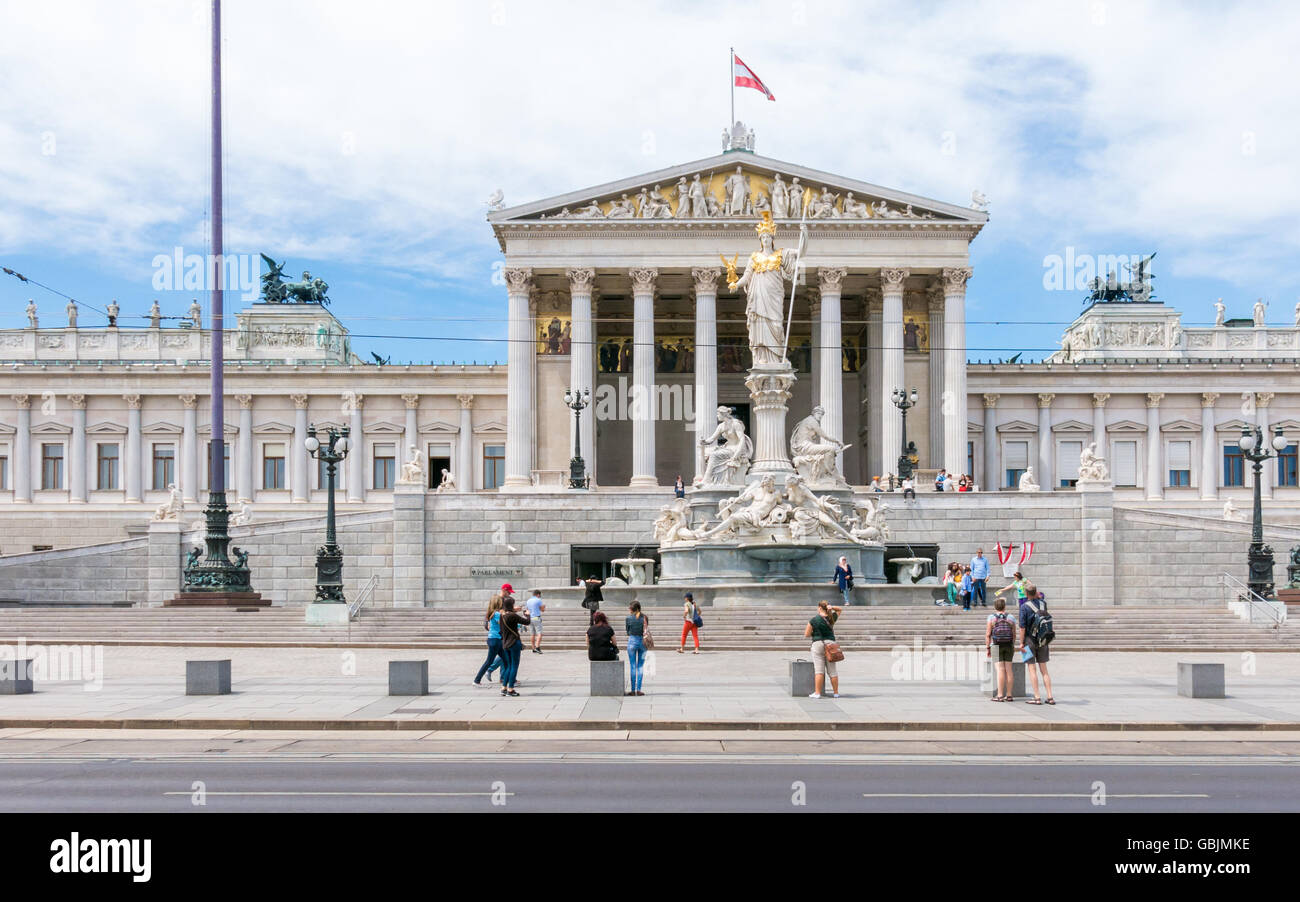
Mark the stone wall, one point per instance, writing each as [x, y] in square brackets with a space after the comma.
[105, 574]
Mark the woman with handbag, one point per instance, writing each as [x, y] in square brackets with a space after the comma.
[691, 623]
[639, 642]
[825, 650]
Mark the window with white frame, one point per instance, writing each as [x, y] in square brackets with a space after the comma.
[273, 466]
[51, 465]
[439, 459]
[106, 465]
[164, 465]
[384, 465]
[1015, 455]
[1067, 462]
[1287, 460]
[1178, 455]
[494, 466]
[1234, 465]
[4, 468]
[1124, 458]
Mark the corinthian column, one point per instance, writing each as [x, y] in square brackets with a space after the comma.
[1209, 447]
[830, 280]
[935, 304]
[77, 450]
[643, 376]
[706, 355]
[582, 360]
[891, 366]
[189, 445]
[412, 435]
[1099, 400]
[521, 396]
[465, 445]
[992, 465]
[1045, 443]
[1155, 485]
[875, 396]
[354, 404]
[244, 454]
[23, 451]
[298, 453]
[1266, 472]
[954, 368]
[131, 458]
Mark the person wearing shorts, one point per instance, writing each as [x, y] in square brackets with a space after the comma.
[535, 607]
[821, 629]
[1038, 654]
[1006, 652]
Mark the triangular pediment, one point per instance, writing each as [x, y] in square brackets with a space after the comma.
[1072, 426]
[1017, 426]
[106, 428]
[438, 427]
[384, 428]
[493, 428]
[273, 428]
[1180, 426]
[1126, 426]
[51, 429]
[825, 198]
[165, 427]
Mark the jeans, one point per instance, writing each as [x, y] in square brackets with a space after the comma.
[978, 596]
[494, 659]
[511, 669]
[636, 659]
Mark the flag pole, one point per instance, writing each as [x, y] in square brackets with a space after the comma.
[731, 77]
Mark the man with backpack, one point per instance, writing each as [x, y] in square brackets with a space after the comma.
[1036, 634]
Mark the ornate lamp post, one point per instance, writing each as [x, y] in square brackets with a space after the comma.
[329, 557]
[577, 401]
[1260, 557]
[905, 402]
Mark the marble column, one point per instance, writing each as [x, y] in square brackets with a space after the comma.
[706, 357]
[1155, 484]
[412, 435]
[131, 465]
[298, 455]
[244, 453]
[465, 445]
[1268, 472]
[22, 463]
[891, 367]
[875, 396]
[992, 480]
[1209, 448]
[355, 404]
[643, 377]
[189, 483]
[77, 451]
[830, 372]
[815, 364]
[521, 395]
[1099, 400]
[954, 368]
[582, 360]
[1046, 447]
[935, 305]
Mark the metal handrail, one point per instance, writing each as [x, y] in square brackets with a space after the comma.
[1254, 601]
[367, 591]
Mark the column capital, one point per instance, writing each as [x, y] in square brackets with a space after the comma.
[1099, 398]
[1208, 398]
[78, 402]
[466, 401]
[582, 279]
[955, 278]
[1154, 398]
[1045, 399]
[643, 278]
[518, 279]
[352, 401]
[132, 401]
[991, 399]
[875, 299]
[24, 402]
[706, 279]
[831, 278]
[412, 401]
[245, 401]
[1263, 398]
[892, 279]
[190, 401]
[299, 401]
[934, 298]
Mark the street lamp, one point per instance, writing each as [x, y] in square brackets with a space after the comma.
[1260, 557]
[907, 459]
[329, 557]
[577, 401]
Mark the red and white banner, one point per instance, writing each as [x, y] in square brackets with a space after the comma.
[1006, 557]
[746, 78]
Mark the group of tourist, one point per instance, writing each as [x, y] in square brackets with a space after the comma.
[1032, 627]
[949, 482]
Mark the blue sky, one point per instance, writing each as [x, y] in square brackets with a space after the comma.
[1112, 129]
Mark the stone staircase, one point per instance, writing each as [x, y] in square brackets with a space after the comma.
[764, 628]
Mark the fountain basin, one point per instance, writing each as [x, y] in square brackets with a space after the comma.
[780, 558]
[904, 565]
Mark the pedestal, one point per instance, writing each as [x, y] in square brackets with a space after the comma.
[207, 677]
[1200, 680]
[606, 678]
[408, 677]
[802, 678]
[16, 676]
[769, 389]
[321, 613]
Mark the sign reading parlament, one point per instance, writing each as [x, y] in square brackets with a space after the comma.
[497, 571]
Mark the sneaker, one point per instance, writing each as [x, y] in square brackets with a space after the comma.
[513, 693]
[538, 650]
[489, 676]
[835, 695]
[814, 695]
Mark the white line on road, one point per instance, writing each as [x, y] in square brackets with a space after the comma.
[311, 793]
[1031, 795]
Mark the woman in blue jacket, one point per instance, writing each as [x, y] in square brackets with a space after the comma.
[844, 579]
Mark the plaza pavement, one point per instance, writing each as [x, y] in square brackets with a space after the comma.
[313, 689]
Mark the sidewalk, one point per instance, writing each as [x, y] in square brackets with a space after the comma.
[309, 689]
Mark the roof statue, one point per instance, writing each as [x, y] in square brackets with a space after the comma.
[1110, 290]
[277, 291]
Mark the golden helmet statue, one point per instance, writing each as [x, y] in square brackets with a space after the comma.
[766, 226]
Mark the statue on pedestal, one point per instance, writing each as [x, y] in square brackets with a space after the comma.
[1027, 482]
[244, 517]
[447, 484]
[72, 314]
[869, 523]
[764, 284]
[1092, 467]
[757, 506]
[674, 523]
[172, 509]
[155, 315]
[809, 513]
[730, 451]
[31, 315]
[413, 469]
[1219, 312]
[196, 313]
[812, 451]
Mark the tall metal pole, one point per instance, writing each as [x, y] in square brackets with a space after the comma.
[217, 467]
[731, 80]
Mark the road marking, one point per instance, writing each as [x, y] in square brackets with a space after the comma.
[1031, 795]
[311, 793]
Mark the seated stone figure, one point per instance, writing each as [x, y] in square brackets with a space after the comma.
[811, 514]
[813, 452]
[413, 469]
[674, 523]
[1092, 467]
[730, 451]
[755, 508]
[1027, 482]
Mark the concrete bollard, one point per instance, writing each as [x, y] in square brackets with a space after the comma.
[1200, 680]
[607, 678]
[408, 677]
[802, 678]
[16, 676]
[207, 677]
[989, 682]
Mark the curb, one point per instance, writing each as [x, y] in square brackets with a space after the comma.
[641, 725]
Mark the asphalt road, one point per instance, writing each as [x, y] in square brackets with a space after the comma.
[259, 785]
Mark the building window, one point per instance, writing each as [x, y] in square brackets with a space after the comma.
[384, 465]
[1180, 463]
[207, 465]
[51, 466]
[106, 467]
[1016, 455]
[4, 469]
[439, 460]
[1286, 466]
[970, 460]
[1067, 462]
[1124, 470]
[1234, 465]
[273, 466]
[164, 466]
[494, 466]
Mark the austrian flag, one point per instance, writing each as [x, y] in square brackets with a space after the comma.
[745, 77]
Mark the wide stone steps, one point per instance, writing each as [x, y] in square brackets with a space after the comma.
[1079, 629]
